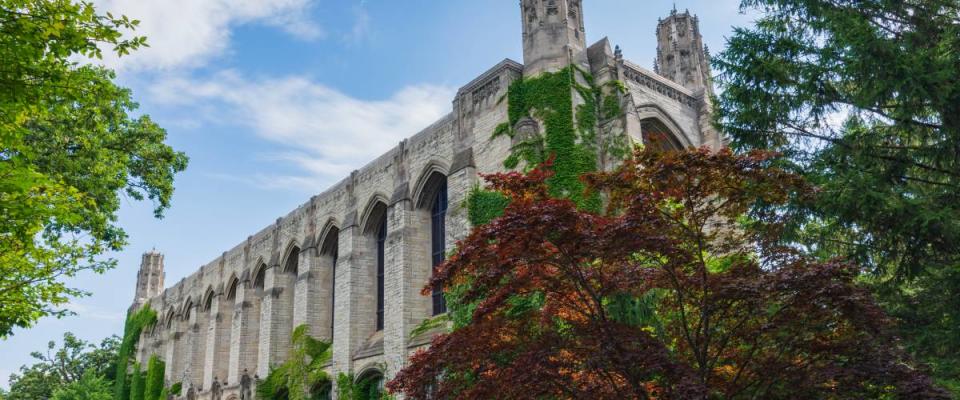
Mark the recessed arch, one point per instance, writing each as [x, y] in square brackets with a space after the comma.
[171, 314]
[208, 299]
[427, 184]
[328, 237]
[291, 258]
[259, 275]
[186, 309]
[653, 114]
[232, 283]
[373, 213]
[372, 380]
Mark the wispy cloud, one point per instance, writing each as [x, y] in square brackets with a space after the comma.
[93, 312]
[324, 132]
[360, 29]
[189, 33]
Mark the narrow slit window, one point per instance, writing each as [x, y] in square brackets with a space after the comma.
[438, 232]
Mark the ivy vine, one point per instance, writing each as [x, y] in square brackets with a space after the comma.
[134, 326]
[569, 135]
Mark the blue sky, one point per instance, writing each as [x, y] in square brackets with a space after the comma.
[274, 100]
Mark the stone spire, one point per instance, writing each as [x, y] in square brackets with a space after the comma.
[150, 277]
[553, 35]
[681, 55]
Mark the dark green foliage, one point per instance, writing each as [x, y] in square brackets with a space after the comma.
[176, 389]
[61, 367]
[153, 385]
[137, 379]
[863, 99]
[136, 323]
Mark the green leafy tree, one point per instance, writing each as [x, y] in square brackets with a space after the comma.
[69, 147]
[59, 367]
[89, 387]
[863, 99]
[135, 324]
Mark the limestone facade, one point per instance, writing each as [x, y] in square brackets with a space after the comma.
[350, 262]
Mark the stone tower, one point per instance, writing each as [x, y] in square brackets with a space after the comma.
[681, 55]
[150, 278]
[553, 35]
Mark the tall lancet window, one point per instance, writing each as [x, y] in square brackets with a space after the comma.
[381, 259]
[438, 233]
[333, 288]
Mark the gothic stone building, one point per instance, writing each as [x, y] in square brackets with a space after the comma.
[350, 263]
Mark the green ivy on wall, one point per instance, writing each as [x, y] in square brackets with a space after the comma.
[134, 326]
[569, 134]
[137, 383]
[153, 387]
[484, 206]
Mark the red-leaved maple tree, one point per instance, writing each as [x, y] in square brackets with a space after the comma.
[674, 291]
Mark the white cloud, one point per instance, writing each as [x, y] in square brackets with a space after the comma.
[189, 33]
[325, 133]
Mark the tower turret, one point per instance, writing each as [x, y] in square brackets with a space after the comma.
[150, 277]
[681, 55]
[553, 35]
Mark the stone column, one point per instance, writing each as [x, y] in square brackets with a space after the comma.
[170, 354]
[187, 341]
[461, 181]
[307, 299]
[212, 339]
[244, 331]
[407, 270]
[199, 333]
[356, 292]
[275, 319]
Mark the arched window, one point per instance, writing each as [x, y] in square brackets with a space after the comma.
[187, 309]
[293, 262]
[330, 248]
[438, 241]
[260, 279]
[232, 289]
[381, 260]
